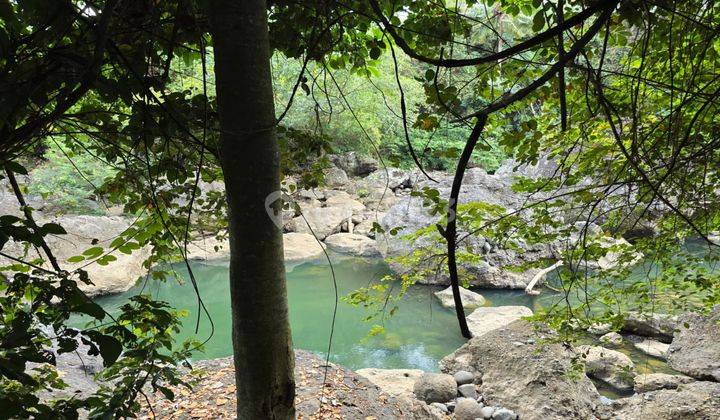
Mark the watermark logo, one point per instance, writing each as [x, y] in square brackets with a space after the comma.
[275, 203]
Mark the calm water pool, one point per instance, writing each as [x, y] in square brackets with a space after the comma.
[417, 336]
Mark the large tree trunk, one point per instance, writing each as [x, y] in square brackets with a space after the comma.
[250, 160]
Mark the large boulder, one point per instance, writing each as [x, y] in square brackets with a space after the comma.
[435, 387]
[301, 246]
[695, 400]
[523, 370]
[695, 350]
[610, 366]
[393, 178]
[353, 244]
[323, 221]
[656, 325]
[485, 319]
[343, 199]
[335, 177]
[654, 381]
[355, 164]
[470, 299]
[84, 232]
[649, 346]
[398, 382]
[467, 409]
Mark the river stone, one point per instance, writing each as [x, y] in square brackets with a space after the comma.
[695, 400]
[83, 232]
[435, 387]
[468, 391]
[393, 381]
[353, 244]
[470, 299]
[658, 326]
[467, 409]
[463, 377]
[324, 221]
[612, 338]
[440, 406]
[598, 328]
[392, 177]
[343, 199]
[335, 177]
[610, 366]
[655, 381]
[355, 164]
[504, 414]
[534, 380]
[485, 319]
[487, 412]
[650, 347]
[301, 246]
[695, 350]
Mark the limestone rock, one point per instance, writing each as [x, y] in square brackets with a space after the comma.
[463, 377]
[301, 246]
[612, 339]
[324, 221]
[655, 381]
[353, 244]
[435, 387]
[468, 391]
[695, 350]
[695, 400]
[534, 380]
[658, 326]
[343, 199]
[610, 366]
[470, 299]
[467, 409]
[335, 177]
[650, 347]
[485, 319]
[393, 381]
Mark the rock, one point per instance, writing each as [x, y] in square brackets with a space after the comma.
[440, 406]
[658, 326]
[324, 221]
[301, 246]
[504, 414]
[392, 177]
[209, 248]
[350, 243]
[599, 328]
[487, 412]
[84, 232]
[470, 299]
[612, 338]
[467, 409]
[655, 381]
[463, 377]
[335, 177]
[695, 400]
[435, 387]
[468, 391]
[695, 350]
[486, 319]
[610, 366]
[650, 347]
[534, 380]
[354, 164]
[343, 199]
[393, 381]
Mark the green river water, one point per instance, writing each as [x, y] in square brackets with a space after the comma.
[418, 335]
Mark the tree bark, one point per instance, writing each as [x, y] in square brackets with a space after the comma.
[250, 159]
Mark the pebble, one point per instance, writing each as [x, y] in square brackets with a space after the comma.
[463, 377]
[504, 414]
[440, 406]
[468, 391]
[487, 412]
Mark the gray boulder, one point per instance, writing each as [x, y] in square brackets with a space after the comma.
[610, 366]
[468, 391]
[654, 381]
[398, 382]
[435, 387]
[323, 221]
[658, 326]
[470, 299]
[335, 177]
[463, 377]
[353, 244]
[695, 350]
[355, 164]
[695, 400]
[534, 380]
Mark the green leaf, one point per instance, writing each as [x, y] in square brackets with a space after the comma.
[52, 229]
[76, 259]
[15, 167]
[538, 21]
[93, 252]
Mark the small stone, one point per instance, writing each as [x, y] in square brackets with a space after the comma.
[487, 412]
[467, 409]
[440, 406]
[463, 377]
[504, 414]
[435, 387]
[468, 391]
[605, 400]
[450, 406]
[599, 328]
